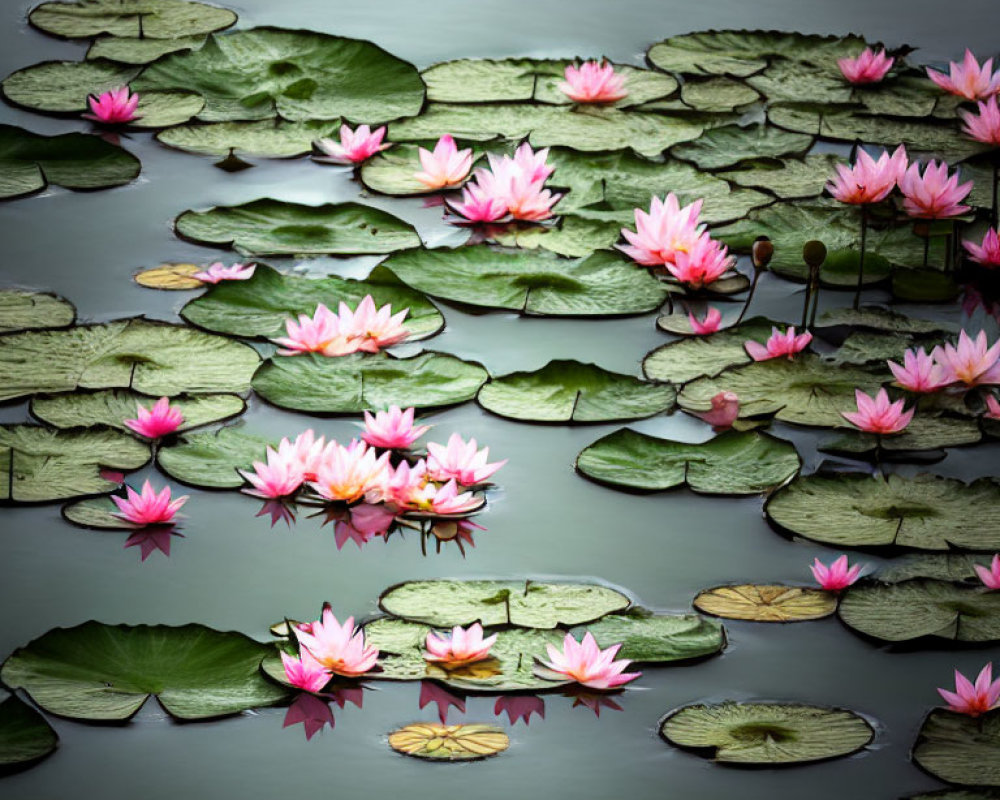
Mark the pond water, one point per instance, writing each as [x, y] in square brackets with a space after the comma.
[234, 571]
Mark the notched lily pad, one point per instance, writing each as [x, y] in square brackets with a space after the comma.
[132, 50]
[22, 310]
[211, 459]
[112, 407]
[790, 179]
[952, 567]
[25, 736]
[686, 359]
[275, 138]
[152, 19]
[766, 602]
[97, 513]
[657, 638]
[730, 144]
[436, 742]
[961, 749]
[927, 432]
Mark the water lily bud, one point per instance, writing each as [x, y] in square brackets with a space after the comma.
[761, 252]
[814, 253]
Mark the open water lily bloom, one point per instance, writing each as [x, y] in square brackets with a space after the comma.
[868, 180]
[280, 476]
[338, 648]
[663, 232]
[703, 264]
[369, 329]
[218, 272]
[990, 576]
[973, 698]
[869, 66]
[593, 82]
[967, 79]
[113, 107]
[160, 420]
[588, 665]
[305, 672]
[464, 646]
[837, 576]
[445, 166]
[354, 146]
[970, 362]
[321, 333]
[918, 372]
[985, 126]
[779, 344]
[987, 253]
[933, 194]
[148, 507]
[877, 414]
[434, 499]
[461, 460]
[392, 429]
[347, 474]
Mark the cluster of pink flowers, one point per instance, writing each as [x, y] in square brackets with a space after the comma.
[968, 79]
[969, 363]
[354, 146]
[366, 329]
[511, 188]
[327, 648]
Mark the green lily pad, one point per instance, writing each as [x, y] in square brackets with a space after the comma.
[25, 736]
[686, 359]
[925, 432]
[297, 75]
[731, 463]
[657, 638]
[871, 347]
[524, 604]
[106, 672]
[277, 227]
[530, 282]
[926, 512]
[952, 567]
[154, 358]
[883, 320]
[392, 171]
[924, 286]
[268, 138]
[958, 794]
[22, 311]
[770, 734]
[259, 307]
[916, 609]
[30, 162]
[211, 459]
[793, 81]
[351, 384]
[96, 512]
[791, 178]
[113, 406]
[131, 50]
[39, 465]
[718, 94]
[731, 144]
[570, 236]
[569, 391]
[152, 19]
[960, 749]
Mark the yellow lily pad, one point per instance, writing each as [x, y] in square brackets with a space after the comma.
[437, 742]
[766, 603]
[170, 277]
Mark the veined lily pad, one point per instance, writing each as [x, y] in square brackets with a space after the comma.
[38, 464]
[769, 734]
[30, 162]
[766, 603]
[793, 81]
[21, 311]
[297, 75]
[687, 359]
[434, 742]
[731, 463]
[392, 171]
[525, 604]
[211, 459]
[351, 384]
[960, 749]
[718, 94]
[953, 567]
[152, 19]
[25, 736]
[571, 235]
[106, 672]
[657, 638]
[269, 138]
[912, 610]
[259, 307]
[791, 179]
[568, 391]
[883, 320]
[925, 432]
[98, 513]
[150, 357]
[113, 406]
[924, 286]
[533, 283]
[132, 50]
[731, 144]
[276, 227]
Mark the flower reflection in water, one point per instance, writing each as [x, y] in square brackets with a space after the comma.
[315, 711]
[431, 692]
[595, 701]
[520, 707]
[151, 539]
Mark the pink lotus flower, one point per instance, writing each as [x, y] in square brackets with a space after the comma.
[532, 163]
[918, 372]
[593, 82]
[973, 699]
[461, 461]
[148, 508]
[779, 344]
[430, 692]
[868, 66]
[985, 126]
[348, 473]
[392, 429]
[480, 203]
[313, 712]
[987, 253]
[587, 664]
[305, 672]
[402, 483]
[666, 230]
[319, 333]
[710, 324]
[990, 576]
[113, 107]
[878, 415]
[992, 407]
[306, 451]
[354, 146]
[527, 199]
[837, 576]
[220, 272]
[725, 410]
[445, 166]
[971, 362]
[338, 648]
[279, 477]
[933, 195]
[968, 79]
[434, 499]
[868, 180]
[461, 648]
[369, 329]
[520, 707]
[157, 421]
[705, 262]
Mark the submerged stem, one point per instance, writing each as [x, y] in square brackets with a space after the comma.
[753, 288]
[861, 260]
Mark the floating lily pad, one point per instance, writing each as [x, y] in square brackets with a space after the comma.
[657, 638]
[297, 75]
[571, 235]
[924, 286]
[525, 604]
[793, 81]
[686, 359]
[533, 283]
[112, 407]
[731, 144]
[392, 171]
[154, 358]
[170, 277]
[789, 179]
[21, 311]
[769, 734]
[883, 320]
[276, 227]
[953, 567]
[98, 513]
[569, 391]
[106, 672]
[912, 610]
[152, 19]
[766, 603]
[429, 740]
[269, 138]
[718, 94]
[211, 459]
[39, 465]
[260, 306]
[351, 384]
[25, 736]
[925, 432]
[132, 50]
[30, 162]
[960, 749]
[731, 463]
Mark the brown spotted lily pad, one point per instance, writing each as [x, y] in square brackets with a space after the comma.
[436, 742]
[766, 603]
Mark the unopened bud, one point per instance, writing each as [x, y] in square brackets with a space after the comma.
[761, 252]
[814, 253]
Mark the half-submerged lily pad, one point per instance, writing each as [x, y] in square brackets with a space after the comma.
[730, 144]
[152, 19]
[731, 463]
[270, 138]
[353, 383]
[211, 459]
[686, 359]
[961, 749]
[106, 672]
[98, 513]
[952, 567]
[132, 50]
[25, 736]
[23, 311]
[914, 609]
[657, 638]
[766, 603]
[113, 406]
[768, 734]
[277, 227]
[883, 320]
[569, 391]
[789, 179]
[438, 742]
[926, 432]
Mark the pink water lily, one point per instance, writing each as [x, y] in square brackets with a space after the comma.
[985, 126]
[306, 451]
[148, 508]
[435, 499]
[479, 204]
[986, 253]
[868, 180]
[837, 576]
[510, 187]
[217, 272]
[464, 646]
[520, 707]
[460, 460]
[704, 263]
[918, 372]
[354, 146]
[280, 476]
[157, 421]
[778, 345]
[662, 232]
[338, 648]
[593, 82]
[971, 362]
[877, 414]
[392, 429]
[588, 665]
[347, 474]
[967, 79]
[402, 482]
[527, 199]
[708, 324]
[305, 672]
[990, 576]
[725, 410]
[973, 699]
[933, 194]
[869, 66]
[113, 107]
[319, 333]
[532, 163]
[369, 329]
[445, 166]
[992, 407]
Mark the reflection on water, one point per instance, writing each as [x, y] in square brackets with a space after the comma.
[150, 540]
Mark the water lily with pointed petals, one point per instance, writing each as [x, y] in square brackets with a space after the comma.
[354, 146]
[481, 200]
[157, 421]
[662, 232]
[464, 646]
[281, 476]
[217, 272]
[593, 82]
[392, 429]
[306, 451]
[305, 672]
[971, 362]
[918, 372]
[520, 707]
[779, 344]
[338, 648]
[992, 407]
[460, 460]
[709, 324]
[445, 166]
[369, 329]
[347, 474]
[725, 410]
[988, 252]
[869, 66]
[837, 576]
[319, 333]
[968, 79]
[985, 126]
[877, 414]
[148, 508]
[973, 699]
[532, 163]
[434, 499]
[401, 483]
[868, 180]
[704, 263]
[113, 107]
[529, 200]
[588, 665]
[990, 576]
[933, 194]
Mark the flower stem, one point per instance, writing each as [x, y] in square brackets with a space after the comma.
[996, 184]
[753, 288]
[861, 260]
